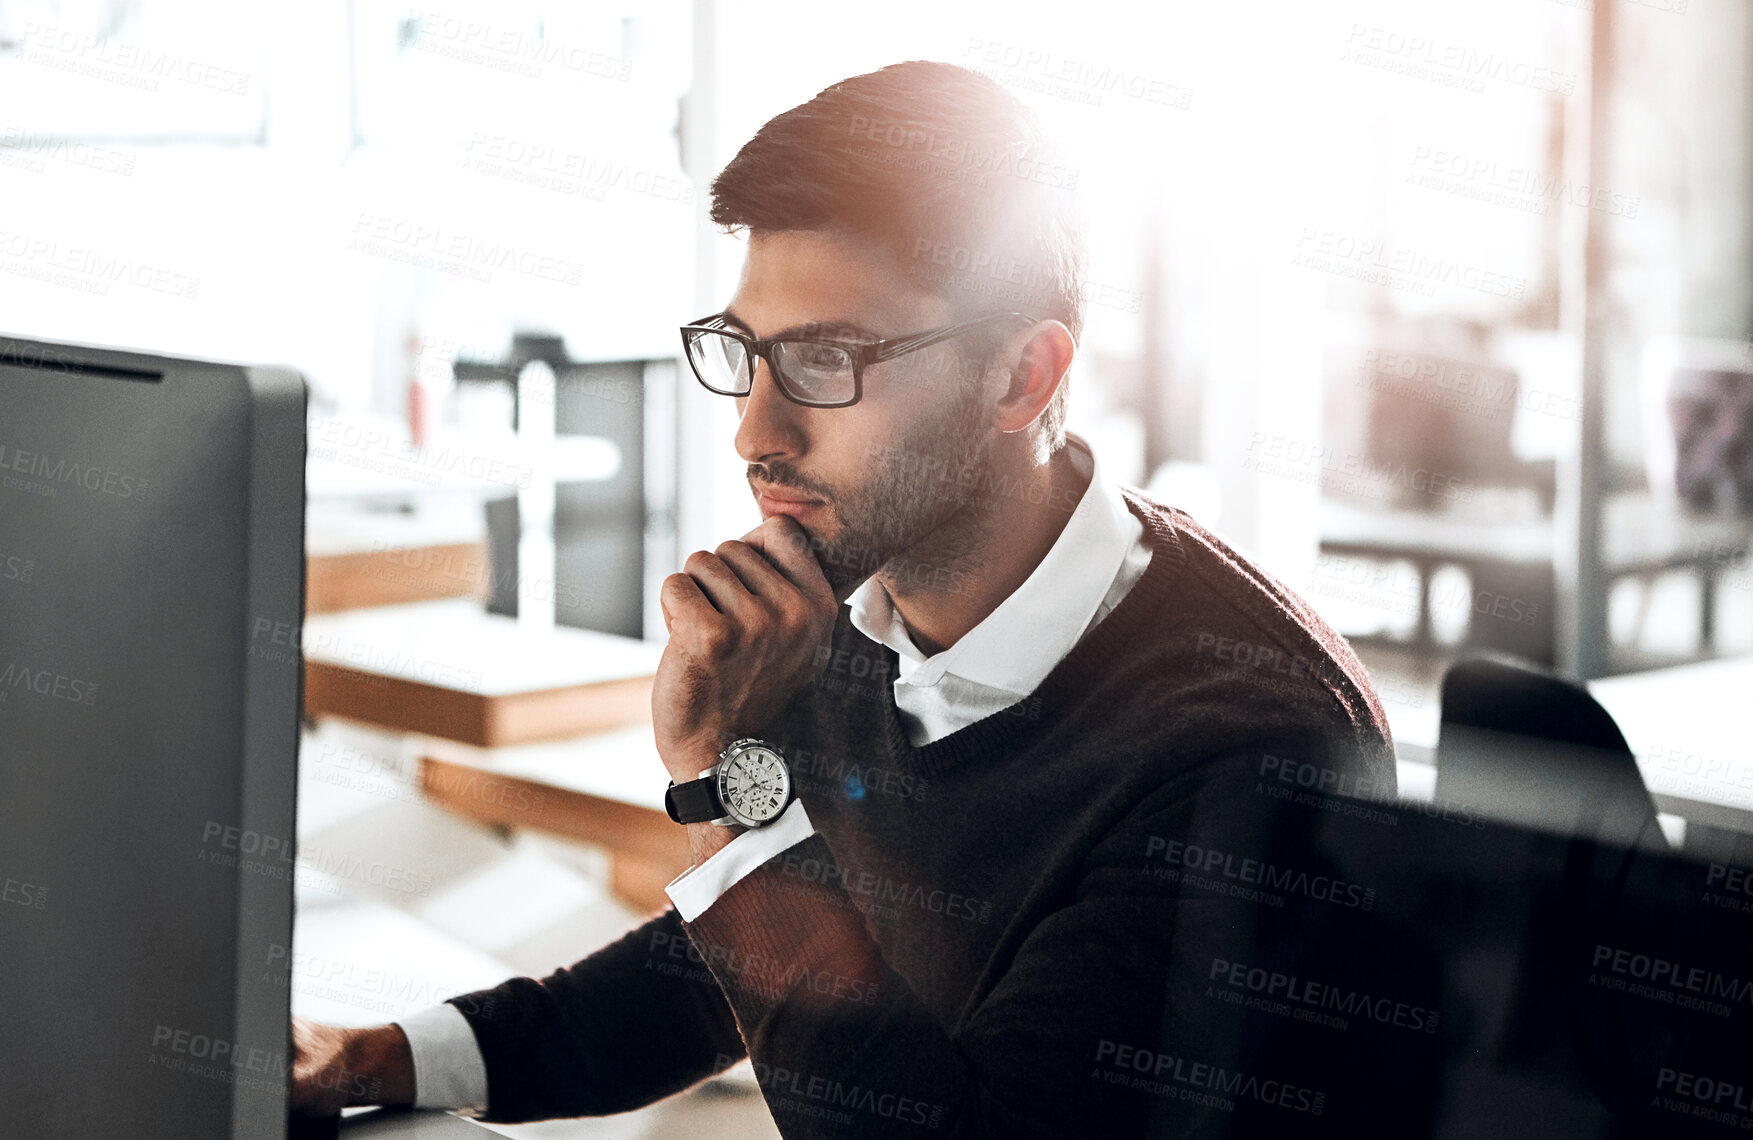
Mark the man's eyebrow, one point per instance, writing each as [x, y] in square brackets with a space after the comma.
[812, 328]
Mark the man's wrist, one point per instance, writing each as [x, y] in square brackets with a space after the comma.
[707, 839]
[686, 762]
[379, 1067]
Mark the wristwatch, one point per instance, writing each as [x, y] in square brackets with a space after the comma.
[750, 785]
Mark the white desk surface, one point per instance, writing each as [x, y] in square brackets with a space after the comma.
[373, 457]
[1691, 727]
[621, 765]
[473, 651]
[357, 963]
[335, 528]
[371, 1124]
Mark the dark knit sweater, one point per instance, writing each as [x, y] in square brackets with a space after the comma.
[987, 934]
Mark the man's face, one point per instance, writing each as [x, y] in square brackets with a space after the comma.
[908, 461]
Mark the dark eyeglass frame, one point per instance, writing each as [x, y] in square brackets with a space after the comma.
[863, 354]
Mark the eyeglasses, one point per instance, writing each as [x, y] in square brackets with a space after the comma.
[813, 371]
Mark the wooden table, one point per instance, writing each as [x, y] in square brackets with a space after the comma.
[605, 789]
[450, 669]
[357, 557]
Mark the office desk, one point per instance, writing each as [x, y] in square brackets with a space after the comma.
[450, 669]
[1691, 727]
[393, 1124]
[605, 789]
[1641, 536]
[357, 557]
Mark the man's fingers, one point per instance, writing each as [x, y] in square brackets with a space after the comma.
[788, 547]
[758, 574]
[718, 581]
[694, 621]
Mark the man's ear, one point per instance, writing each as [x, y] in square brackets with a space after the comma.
[1043, 354]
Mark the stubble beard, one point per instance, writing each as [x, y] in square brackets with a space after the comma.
[922, 510]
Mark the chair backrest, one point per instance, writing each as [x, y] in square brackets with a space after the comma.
[1521, 746]
[1712, 414]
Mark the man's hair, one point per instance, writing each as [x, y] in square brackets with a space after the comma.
[942, 165]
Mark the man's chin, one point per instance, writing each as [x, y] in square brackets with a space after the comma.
[845, 564]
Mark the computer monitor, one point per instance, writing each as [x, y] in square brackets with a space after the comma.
[1416, 970]
[151, 599]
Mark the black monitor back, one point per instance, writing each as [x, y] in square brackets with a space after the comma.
[151, 583]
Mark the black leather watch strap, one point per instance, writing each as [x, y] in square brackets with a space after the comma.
[693, 802]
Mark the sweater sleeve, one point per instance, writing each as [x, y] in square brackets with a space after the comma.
[1112, 977]
[636, 1021]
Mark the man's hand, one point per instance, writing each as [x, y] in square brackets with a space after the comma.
[745, 623]
[336, 1068]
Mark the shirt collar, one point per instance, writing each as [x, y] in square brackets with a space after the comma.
[1016, 645]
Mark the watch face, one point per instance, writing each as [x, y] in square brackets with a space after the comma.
[754, 785]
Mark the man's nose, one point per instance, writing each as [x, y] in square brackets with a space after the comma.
[769, 427]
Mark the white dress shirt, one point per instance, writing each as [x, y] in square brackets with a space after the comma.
[1096, 559]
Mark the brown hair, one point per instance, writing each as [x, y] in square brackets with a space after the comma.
[944, 166]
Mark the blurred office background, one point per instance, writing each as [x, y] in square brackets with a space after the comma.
[1439, 310]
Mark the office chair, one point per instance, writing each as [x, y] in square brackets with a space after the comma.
[1521, 746]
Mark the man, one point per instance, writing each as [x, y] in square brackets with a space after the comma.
[955, 894]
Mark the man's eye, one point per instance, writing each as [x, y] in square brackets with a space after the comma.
[820, 355]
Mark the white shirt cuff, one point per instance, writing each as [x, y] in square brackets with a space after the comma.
[699, 887]
[449, 1072]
